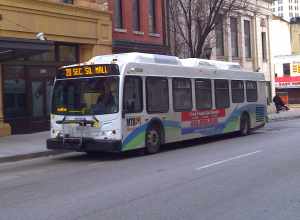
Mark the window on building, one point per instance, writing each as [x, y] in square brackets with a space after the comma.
[219, 37]
[286, 69]
[247, 36]
[133, 94]
[222, 93]
[118, 15]
[136, 15]
[157, 94]
[68, 53]
[182, 95]
[234, 37]
[203, 94]
[264, 46]
[68, 1]
[151, 16]
[251, 91]
[237, 90]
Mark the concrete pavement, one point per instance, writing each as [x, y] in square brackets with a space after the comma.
[252, 177]
[284, 115]
[19, 147]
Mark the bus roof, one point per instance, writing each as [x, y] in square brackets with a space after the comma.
[136, 58]
[208, 68]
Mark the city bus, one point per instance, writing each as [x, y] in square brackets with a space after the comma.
[130, 101]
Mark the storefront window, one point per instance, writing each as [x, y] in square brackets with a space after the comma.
[48, 56]
[37, 98]
[14, 92]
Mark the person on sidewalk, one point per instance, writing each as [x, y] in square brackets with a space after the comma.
[280, 105]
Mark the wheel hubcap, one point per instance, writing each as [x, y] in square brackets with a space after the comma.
[153, 138]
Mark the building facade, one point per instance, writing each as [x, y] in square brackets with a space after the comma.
[286, 9]
[295, 35]
[287, 77]
[286, 59]
[138, 26]
[280, 37]
[246, 39]
[69, 32]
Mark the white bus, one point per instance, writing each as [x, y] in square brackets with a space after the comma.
[130, 101]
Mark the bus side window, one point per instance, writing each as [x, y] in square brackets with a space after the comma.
[222, 93]
[182, 94]
[157, 95]
[237, 91]
[251, 91]
[133, 94]
[203, 94]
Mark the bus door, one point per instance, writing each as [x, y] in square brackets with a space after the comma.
[132, 112]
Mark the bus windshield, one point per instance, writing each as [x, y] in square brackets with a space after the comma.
[86, 96]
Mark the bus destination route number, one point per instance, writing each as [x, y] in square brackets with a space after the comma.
[86, 71]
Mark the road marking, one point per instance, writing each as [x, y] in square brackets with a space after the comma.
[228, 160]
[95, 164]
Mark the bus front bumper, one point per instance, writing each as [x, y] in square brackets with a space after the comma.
[87, 145]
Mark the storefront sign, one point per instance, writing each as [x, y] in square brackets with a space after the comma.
[296, 67]
[287, 82]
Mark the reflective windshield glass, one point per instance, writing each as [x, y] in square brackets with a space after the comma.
[86, 96]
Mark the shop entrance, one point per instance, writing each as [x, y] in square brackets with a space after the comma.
[27, 92]
[26, 83]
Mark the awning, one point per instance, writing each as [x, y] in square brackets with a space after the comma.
[12, 48]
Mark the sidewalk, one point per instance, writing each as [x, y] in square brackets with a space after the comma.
[20, 147]
[284, 115]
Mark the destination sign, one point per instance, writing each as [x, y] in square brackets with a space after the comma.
[88, 71]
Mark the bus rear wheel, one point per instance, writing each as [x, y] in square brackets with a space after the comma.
[244, 125]
[153, 140]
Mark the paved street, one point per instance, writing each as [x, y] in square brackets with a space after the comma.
[253, 177]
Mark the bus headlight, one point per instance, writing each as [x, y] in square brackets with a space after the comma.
[56, 134]
[109, 133]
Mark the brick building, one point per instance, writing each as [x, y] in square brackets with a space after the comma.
[138, 26]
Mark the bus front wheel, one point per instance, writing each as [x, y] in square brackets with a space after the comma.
[153, 140]
[244, 125]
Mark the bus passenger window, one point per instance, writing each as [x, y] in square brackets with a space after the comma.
[133, 95]
[157, 95]
[251, 91]
[182, 95]
[203, 94]
[237, 91]
[222, 93]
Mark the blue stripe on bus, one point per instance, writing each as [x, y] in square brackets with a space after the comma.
[212, 130]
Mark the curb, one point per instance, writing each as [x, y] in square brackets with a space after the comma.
[28, 156]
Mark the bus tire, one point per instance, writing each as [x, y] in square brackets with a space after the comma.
[244, 125]
[152, 140]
